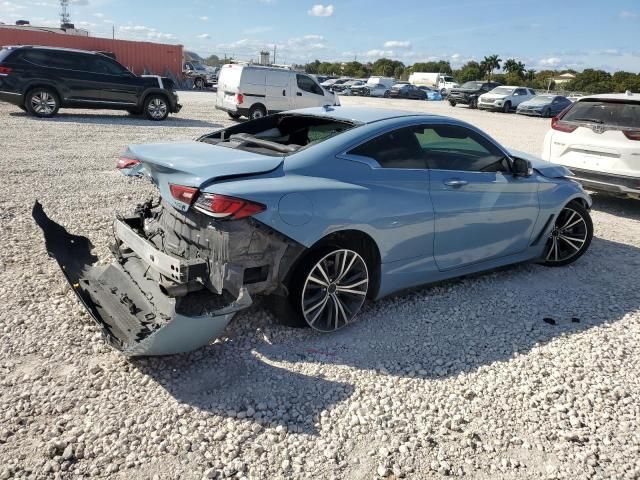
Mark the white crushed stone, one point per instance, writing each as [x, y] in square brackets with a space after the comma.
[461, 379]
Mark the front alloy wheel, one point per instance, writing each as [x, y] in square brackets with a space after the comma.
[334, 290]
[156, 108]
[570, 237]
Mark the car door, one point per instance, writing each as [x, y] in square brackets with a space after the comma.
[308, 92]
[118, 85]
[399, 181]
[519, 95]
[482, 211]
[279, 90]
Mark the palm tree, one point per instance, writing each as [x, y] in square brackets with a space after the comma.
[509, 65]
[491, 63]
[531, 74]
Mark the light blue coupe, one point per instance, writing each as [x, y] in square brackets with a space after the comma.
[315, 210]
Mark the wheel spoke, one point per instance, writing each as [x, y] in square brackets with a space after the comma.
[349, 290]
[573, 239]
[320, 310]
[353, 285]
[570, 243]
[318, 281]
[323, 273]
[567, 227]
[337, 301]
[553, 246]
[345, 270]
[322, 302]
[573, 214]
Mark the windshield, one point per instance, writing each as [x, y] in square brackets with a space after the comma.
[503, 90]
[542, 99]
[606, 112]
[472, 85]
[279, 134]
[448, 79]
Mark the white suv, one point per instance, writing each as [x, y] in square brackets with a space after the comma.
[598, 138]
[505, 98]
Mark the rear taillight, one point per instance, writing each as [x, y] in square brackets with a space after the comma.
[632, 134]
[239, 98]
[5, 70]
[559, 125]
[222, 206]
[183, 194]
[124, 162]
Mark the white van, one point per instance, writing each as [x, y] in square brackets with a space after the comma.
[254, 91]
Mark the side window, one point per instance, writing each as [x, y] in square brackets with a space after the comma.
[307, 85]
[520, 91]
[396, 149]
[106, 66]
[451, 147]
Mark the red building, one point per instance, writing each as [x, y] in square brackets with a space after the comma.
[139, 57]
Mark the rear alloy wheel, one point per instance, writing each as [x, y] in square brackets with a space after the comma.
[198, 84]
[257, 111]
[570, 237]
[506, 108]
[386, 94]
[42, 102]
[334, 289]
[156, 107]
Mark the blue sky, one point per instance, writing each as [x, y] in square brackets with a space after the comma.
[543, 34]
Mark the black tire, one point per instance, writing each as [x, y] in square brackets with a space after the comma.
[546, 113]
[42, 102]
[257, 111]
[335, 308]
[386, 94]
[443, 92]
[571, 236]
[156, 107]
[473, 103]
[235, 116]
[198, 84]
[506, 107]
[452, 103]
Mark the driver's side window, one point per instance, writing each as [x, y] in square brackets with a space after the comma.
[452, 147]
[306, 84]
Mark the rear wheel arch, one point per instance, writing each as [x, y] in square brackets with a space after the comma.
[48, 86]
[356, 240]
[152, 91]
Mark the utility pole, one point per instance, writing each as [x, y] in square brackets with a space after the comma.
[113, 31]
[274, 53]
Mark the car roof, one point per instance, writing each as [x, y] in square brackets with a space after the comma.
[360, 114]
[633, 97]
[43, 47]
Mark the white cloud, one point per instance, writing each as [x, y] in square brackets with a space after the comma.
[321, 10]
[10, 6]
[550, 62]
[81, 3]
[378, 53]
[627, 15]
[204, 18]
[397, 44]
[99, 15]
[257, 30]
[204, 36]
[140, 31]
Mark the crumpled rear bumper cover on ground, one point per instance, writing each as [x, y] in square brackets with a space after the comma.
[124, 298]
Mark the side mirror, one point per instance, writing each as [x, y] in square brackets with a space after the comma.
[522, 168]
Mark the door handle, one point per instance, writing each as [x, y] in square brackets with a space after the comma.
[299, 94]
[284, 93]
[455, 182]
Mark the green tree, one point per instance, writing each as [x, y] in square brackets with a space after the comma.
[212, 61]
[514, 67]
[591, 81]
[386, 67]
[432, 67]
[490, 64]
[530, 75]
[469, 71]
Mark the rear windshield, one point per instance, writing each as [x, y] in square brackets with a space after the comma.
[606, 112]
[279, 135]
[4, 53]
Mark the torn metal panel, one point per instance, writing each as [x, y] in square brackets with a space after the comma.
[126, 300]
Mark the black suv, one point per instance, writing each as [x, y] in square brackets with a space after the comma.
[40, 80]
[469, 92]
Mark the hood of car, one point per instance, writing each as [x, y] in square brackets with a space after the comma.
[465, 90]
[494, 96]
[546, 169]
[532, 103]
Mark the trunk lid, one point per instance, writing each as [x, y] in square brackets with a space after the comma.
[195, 164]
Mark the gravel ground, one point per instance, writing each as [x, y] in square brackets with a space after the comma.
[464, 378]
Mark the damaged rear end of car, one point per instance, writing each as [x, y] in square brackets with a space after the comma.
[184, 263]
